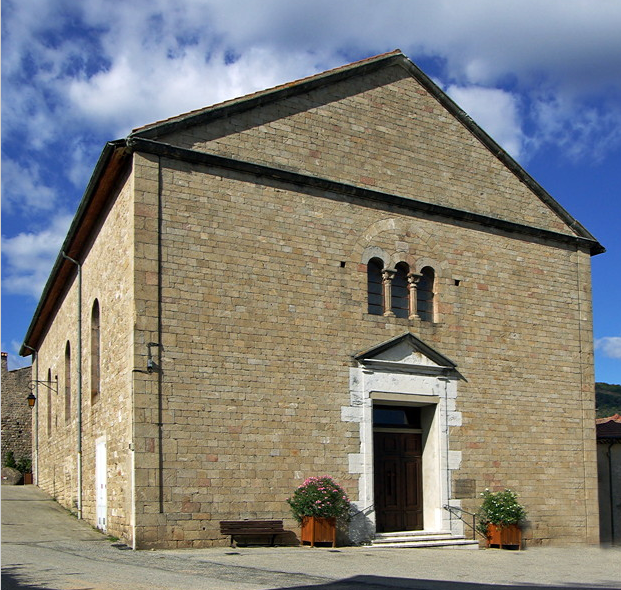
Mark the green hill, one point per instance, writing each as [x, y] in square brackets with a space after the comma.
[607, 399]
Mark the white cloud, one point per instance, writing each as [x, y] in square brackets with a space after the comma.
[123, 97]
[23, 188]
[496, 111]
[610, 346]
[30, 255]
[16, 361]
[140, 61]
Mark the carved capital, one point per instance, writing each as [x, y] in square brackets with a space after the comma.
[414, 278]
[388, 275]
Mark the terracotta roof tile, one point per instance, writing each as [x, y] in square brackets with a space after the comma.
[608, 427]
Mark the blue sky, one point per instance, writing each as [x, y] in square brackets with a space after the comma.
[543, 78]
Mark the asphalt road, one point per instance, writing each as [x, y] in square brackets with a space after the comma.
[43, 547]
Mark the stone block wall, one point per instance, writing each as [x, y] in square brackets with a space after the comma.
[106, 277]
[263, 303]
[16, 414]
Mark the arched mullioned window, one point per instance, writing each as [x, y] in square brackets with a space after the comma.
[95, 351]
[424, 294]
[67, 382]
[374, 286]
[400, 296]
[49, 402]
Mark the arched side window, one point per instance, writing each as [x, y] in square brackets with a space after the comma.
[374, 286]
[67, 382]
[424, 294]
[400, 304]
[95, 352]
[49, 402]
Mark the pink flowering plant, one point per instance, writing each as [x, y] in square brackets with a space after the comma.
[319, 496]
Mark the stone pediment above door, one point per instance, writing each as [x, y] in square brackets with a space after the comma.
[406, 353]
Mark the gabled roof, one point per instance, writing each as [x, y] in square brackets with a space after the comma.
[116, 156]
[608, 428]
[359, 68]
[266, 96]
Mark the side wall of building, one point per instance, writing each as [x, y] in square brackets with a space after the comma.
[107, 292]
[16, 415]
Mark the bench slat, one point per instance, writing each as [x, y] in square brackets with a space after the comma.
[250, 528]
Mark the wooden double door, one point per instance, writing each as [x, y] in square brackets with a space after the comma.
[398, 481]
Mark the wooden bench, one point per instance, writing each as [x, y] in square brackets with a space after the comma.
[251, 528]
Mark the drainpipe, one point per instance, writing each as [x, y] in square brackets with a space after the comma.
[36, 413]
[79, 400]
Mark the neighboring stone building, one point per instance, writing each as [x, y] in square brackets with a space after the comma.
[609, 470]
[340, 275]
[16, 415]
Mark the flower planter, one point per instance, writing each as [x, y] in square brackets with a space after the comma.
[318, 530]
[504, 536]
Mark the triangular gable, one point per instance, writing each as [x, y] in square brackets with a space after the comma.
[405, 352]
[506, 199]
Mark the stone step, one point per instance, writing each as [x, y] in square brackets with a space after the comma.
[414, 534]
[441, 544]
[413, 539]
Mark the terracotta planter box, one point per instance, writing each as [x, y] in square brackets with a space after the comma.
[506, 536]
[318, 530]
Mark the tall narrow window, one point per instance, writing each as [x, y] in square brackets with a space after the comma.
[49, 402]
[375, 287]
[400, 304]
[424, 294]
[95, 352]
[67, 383]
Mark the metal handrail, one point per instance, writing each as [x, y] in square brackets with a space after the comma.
[363, 511]
[456, 511]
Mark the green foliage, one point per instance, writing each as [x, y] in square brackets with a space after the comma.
[24, 465]
[9, 460]
[319, 496]
[499, 508]
[607, 399]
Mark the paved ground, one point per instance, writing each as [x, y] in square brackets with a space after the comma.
[44, 547]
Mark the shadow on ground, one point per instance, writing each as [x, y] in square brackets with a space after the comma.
[12, 579]
[386, 583]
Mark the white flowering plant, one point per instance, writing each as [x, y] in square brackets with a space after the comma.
[499, 508]
[319, 496]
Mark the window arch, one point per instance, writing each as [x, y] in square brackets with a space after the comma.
[400, 297]
[375, 287]
[425, 294]
[67, 382]
[95, 351]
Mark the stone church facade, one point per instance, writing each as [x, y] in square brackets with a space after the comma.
[341, 275]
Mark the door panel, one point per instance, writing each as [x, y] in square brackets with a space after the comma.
[398, 481]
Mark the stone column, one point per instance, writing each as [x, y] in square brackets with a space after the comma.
[387, 276]
[413, 279]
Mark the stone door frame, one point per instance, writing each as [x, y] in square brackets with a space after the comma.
[406, 372]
